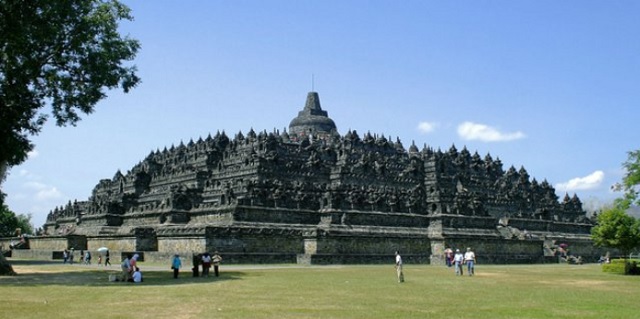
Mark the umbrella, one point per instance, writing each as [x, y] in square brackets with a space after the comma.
[103, 249]
[563, 245]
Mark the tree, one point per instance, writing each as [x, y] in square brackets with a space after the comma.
[630, 181]
[10, 222]
[5, 267]
[616, 229]
[59, 53]
[63, 54]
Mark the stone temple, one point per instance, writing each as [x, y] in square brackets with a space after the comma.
[312, 196]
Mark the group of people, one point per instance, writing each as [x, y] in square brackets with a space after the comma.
[129, 265]
[85, 257]
[107, 259]
[458, 260]
[130, 270]
[206, 260]
[67, 256]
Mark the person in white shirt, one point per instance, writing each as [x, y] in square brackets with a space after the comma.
[399, 267]
[137, 275]
[470, 260]
[206, 264]
[457, 262]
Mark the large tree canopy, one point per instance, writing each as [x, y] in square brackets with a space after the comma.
[616, 229]
[631, 181]
[10, 222]
[60, 53]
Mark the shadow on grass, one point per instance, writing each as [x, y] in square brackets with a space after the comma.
[101, 279]
[27, 262]
[41, 273]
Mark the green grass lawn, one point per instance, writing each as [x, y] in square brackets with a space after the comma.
[48, 290]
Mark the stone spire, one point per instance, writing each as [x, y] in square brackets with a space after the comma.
[312, 120]
[312, 106]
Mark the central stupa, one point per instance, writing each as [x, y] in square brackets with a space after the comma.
[312, 120]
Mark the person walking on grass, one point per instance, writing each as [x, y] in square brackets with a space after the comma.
[107, 261]
[398, 267]
[470, 260]
[175, 265]
[458, 259]
[448, 257]
[87, 258]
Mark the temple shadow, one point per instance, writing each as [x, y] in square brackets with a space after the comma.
[100, 278]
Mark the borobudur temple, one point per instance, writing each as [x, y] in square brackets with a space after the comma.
[312, 196]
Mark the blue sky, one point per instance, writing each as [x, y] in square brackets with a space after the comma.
[552, 86]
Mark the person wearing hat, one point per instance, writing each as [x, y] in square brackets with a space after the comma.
[470, 260]
[457, 262]
[175, 265]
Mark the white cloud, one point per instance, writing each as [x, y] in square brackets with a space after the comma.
[426, 127]
[43, 192]
[33, 154]
[48, 193]
[590, 181]
[34, 185]
[474, 131]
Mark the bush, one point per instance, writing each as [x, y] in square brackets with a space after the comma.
[617, 266]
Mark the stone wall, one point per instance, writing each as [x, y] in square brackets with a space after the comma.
[276, 215]
[119, 243]
[500, 251]
[182, 244]
[255, 240]
[50, 243]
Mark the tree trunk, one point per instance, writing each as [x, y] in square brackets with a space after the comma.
[5, 267]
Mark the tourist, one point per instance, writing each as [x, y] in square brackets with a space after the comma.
[457, 262]
[175, 265]
[107, 260]
[65, 256]
[137, 275]
[398, 267]
[448, 256]
[71, 256]
[81, 256]
[470, 260]
[216, 259]
[87, 258]
[133, 263]
[99, 260]
[206, 264]
[125, 266]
